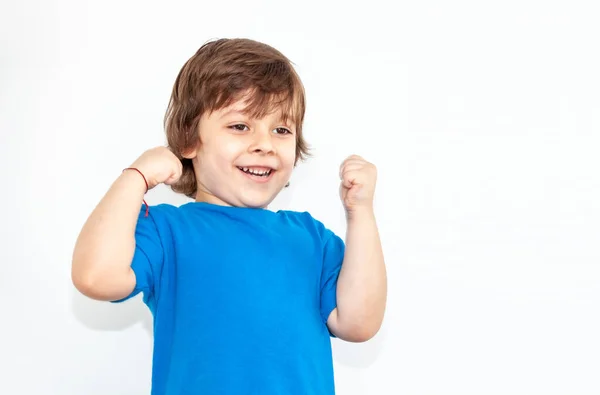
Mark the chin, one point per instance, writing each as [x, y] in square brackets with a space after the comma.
[256, 201]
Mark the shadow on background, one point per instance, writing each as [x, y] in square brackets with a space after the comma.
[107, 316]
[359, 355]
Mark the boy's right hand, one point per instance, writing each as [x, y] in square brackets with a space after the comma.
[160, 166]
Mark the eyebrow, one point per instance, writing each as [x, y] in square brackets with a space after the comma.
[289, 123]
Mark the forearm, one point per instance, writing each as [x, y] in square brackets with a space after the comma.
[362, 283]
[106, 243]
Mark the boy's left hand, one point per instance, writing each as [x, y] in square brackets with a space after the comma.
[357, 188]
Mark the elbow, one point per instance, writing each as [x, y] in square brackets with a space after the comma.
[356, 330]
[362, 333]
[100, 285]
[83, 282]
[81, 274]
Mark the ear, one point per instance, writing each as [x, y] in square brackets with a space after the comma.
[189, 153]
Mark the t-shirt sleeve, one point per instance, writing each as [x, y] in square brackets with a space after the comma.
[333, 255]
[148, 257]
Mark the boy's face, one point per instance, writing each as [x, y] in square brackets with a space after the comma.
[242, 161]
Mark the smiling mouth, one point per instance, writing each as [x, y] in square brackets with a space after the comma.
[256, 172]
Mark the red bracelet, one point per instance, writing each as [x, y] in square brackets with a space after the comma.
[141, 174]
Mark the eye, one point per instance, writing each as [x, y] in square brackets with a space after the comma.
[282, 131]
[239, 127]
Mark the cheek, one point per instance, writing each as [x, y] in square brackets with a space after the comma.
[226, 150]
[288, 156]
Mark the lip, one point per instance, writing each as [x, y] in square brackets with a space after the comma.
[258, 167]
[257, 179]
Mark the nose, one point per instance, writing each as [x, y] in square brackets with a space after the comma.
[262, 142]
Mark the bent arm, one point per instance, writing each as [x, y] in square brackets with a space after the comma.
[101, 265]
[362, 283]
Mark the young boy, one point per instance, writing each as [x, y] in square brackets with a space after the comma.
[244, 299]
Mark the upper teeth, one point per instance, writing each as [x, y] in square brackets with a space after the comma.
[256, 172]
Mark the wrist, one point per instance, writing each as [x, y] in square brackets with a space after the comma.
[360, 213]
[133, 176]
[137, 177]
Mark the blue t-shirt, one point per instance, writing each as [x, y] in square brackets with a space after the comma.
[240, 299]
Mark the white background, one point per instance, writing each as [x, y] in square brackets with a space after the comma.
[482, 117]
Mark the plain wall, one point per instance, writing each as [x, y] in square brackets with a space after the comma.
[483, 119]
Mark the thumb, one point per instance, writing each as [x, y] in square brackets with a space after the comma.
[347, 182]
